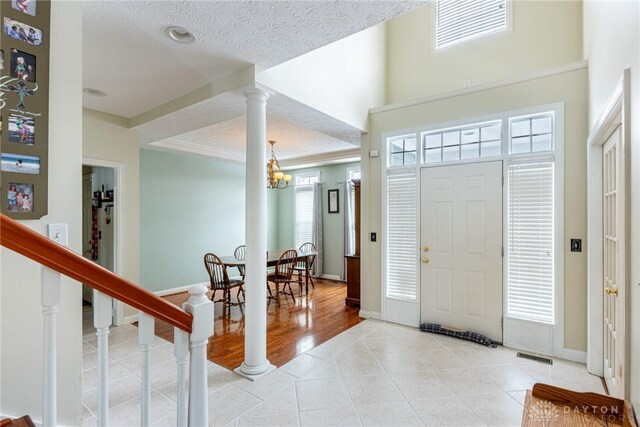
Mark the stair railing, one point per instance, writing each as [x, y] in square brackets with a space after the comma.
[193, 325]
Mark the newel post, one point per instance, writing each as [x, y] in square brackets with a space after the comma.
[201, 308]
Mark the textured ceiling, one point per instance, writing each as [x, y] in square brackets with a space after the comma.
[227, 140]
[217, 127]
[127, 55]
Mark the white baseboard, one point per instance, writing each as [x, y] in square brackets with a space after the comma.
[370, 315]
[179, 289]
[574, 355]
[331, 277]
[130, 319]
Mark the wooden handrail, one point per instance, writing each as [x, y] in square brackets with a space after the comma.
[42, 250]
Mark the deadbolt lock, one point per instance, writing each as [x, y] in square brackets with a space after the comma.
[611, 291]
[425, 248]
[425, 260]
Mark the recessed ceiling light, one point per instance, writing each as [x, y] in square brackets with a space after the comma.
[94, 92]
[180, 35]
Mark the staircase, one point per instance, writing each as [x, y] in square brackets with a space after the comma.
[193, 325]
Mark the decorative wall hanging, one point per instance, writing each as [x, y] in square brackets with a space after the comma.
[24, 108]
[334, 206]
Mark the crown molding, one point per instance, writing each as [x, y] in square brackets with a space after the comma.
[565, 68]
[337, 157]
[197, 149]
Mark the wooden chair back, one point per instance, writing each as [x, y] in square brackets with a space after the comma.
[217, 271]
[286, 264]
[306, 248]
[240, 256]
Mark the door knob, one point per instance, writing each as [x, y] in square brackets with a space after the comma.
[426, 248]
[611, 291]
[425, 260]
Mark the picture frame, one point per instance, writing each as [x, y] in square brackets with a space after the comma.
[334, 204]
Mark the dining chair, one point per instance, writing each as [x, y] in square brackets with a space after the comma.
[283, 274]
[302, 266]
[220, 281]
[239, 255]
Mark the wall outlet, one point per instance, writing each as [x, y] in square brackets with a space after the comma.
[58, 233]
[466, 83]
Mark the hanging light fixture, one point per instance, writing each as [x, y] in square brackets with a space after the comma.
[276, 179]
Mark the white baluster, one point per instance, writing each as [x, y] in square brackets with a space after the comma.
[202, 310]
[181, 350]
[145, 338]
[50, 300]
[101, 321]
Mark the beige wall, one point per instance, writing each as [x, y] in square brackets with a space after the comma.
[106, 137]
[331, 79]
[611, 44]
[21, 363]
[570, 88]
[545, 34]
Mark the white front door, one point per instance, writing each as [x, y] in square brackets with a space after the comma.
[461, 247]
[613, 262]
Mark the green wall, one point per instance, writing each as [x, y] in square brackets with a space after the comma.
[190, 206]
[333, 223]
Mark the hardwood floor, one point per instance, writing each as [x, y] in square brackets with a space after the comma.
[291, 328]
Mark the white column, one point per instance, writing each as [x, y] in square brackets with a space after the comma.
[50, 300]
[102, 315]
[255, 338]
[201, 308]
[146, 333]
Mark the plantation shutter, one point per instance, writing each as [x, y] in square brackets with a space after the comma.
[304, 214]
[530, 288]
[402, 235]
[461, 20]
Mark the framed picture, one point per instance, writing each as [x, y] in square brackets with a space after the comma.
[334, 206]
[22, 129]
[20, 163]
[20, 197]
[23, 66]
[25, 6]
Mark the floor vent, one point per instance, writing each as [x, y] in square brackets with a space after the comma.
[540, 359]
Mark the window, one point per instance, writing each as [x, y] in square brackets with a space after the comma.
[303, 195]
[530, 275]
[402, 235]
[531, 134]
[402, 151]
[352, 173]
[458, 21]
[474, 141]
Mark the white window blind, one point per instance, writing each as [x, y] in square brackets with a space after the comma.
[460, 20]
[530, 274]
[402, 235]
[304, 214]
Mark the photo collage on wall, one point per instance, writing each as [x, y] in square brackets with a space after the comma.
[24, 105]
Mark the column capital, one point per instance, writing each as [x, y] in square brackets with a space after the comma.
[256, 93]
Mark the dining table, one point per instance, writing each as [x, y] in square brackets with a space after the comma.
[272, 260]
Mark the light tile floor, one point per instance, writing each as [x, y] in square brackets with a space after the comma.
[374, 374]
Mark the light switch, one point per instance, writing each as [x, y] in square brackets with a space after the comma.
[373, 153]
[58, 233]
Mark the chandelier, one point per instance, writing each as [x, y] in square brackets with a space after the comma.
[275, 177]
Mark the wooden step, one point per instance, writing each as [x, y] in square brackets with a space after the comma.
[550, 406]
[18, 422]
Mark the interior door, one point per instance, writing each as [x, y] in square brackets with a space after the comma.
[613, 262]
[461, 237]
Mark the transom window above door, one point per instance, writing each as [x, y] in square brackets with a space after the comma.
[531, 134]
[480, 140]
[403, 151]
